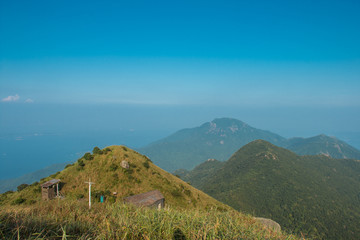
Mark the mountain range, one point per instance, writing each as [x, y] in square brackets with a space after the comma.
[314, 196]
[220, 138]
[217, 139]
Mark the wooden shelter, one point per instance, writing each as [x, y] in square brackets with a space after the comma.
[50, 189]
[149, 199]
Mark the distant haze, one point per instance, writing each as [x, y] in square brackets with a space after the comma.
[35, 136]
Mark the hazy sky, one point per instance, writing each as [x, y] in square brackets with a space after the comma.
[186, 53]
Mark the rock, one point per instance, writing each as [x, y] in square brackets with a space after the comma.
[124, 164]
[269, 224]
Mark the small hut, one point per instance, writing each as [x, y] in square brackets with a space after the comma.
[50, 189]
[149, 199]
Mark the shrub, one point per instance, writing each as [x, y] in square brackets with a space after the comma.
[187, 192]
[106, 150]
[22, 186]
[113, 167]
[124, 148]
[128, 171]
[97, 150]
[19, 201]
[146, 164]
[88, 156]
[176, 193]
[81, 163]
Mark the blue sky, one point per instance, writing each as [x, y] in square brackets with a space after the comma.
[76, 74]
[181, 52]
[198, 53]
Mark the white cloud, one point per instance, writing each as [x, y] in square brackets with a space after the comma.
[11, 98]
[29, 100]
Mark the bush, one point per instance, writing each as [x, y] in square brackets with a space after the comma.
[128, 171]
[113, 167]
[97, 150]
[22, 186]
[106, 150]
[81, 163]
[146, 164]
[187, 192]
[88, 156]
[19, 201]
[176, 193]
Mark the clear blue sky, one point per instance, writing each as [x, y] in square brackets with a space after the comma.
[74, 74]
[203, 53]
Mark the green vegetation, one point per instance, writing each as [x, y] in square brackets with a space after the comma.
[22, 186]
[59, 219]
[18, 201]
[81, 163]
[88, 156]
[203, 171]
[97, 150]
[316, 196]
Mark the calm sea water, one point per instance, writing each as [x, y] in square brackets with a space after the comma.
[24, 153]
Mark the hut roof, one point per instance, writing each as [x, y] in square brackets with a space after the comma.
[145, 199]
[49, 183]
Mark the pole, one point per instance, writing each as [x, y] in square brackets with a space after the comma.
[89, 182]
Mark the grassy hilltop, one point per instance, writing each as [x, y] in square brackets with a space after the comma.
[190, 213]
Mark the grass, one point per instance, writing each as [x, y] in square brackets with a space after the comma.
[60, 219]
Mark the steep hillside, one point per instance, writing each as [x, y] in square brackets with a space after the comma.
[314, 195]
[105, 171]
[322, 144]
[217, 139]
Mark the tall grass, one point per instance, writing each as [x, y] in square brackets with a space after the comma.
[73, 220]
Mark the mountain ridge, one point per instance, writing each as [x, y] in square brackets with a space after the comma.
[221, 137]
[217, 139]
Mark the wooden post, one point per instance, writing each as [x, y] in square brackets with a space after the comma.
[89, 182]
